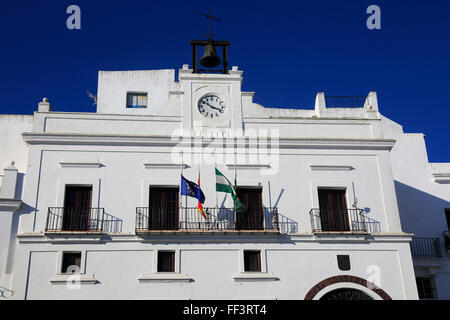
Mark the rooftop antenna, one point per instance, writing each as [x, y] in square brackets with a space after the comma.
[210, 17]
[92, 96]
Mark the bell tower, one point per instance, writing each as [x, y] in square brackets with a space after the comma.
[210, 59]
[211, 91]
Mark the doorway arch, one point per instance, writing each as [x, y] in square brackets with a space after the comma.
[345, 294]
[346, 279]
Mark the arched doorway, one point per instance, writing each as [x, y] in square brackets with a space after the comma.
[346, 279]
[345, 294]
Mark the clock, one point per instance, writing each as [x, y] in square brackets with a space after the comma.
[211, 106]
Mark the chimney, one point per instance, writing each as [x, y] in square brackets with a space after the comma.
[9, 182]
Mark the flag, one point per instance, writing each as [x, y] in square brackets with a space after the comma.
[224, 185]
[189, 188]
[199, 205]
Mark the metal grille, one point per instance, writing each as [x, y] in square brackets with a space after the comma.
[74, 219]
[217, 219]
[323, 220]
[425, 247]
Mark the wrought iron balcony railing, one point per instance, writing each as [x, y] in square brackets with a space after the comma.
[425, 247]
[349, 220]
[217, 219]
[5, 292]
[60, 219]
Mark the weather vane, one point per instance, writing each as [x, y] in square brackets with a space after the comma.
[210, 17]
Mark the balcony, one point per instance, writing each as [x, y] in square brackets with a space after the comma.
[344, 220]
[74, 220]
[425, 247]
[150, 220]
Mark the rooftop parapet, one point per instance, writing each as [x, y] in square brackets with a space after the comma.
[347, 106]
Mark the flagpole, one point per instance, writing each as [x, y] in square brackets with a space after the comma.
[181, 197]
[235, 173]
[215, 166]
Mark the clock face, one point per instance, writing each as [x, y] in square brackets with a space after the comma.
[211, 106]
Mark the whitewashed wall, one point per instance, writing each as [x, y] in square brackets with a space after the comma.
[351, 147]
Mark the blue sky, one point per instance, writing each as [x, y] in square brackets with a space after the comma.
[289, 50]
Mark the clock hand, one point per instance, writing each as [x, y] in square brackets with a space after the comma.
[212, 106]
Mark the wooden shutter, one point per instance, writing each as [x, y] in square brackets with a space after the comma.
[164, 211]
[253, 218]
[333, 210]
[77, 207]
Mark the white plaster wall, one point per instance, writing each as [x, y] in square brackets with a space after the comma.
[5, 232]
[12, 146]
[211, 268]
[122, 182]
[421, 200]
[114, 85]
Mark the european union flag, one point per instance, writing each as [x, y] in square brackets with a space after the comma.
[191, 189]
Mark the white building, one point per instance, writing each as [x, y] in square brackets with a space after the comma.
[323, 188]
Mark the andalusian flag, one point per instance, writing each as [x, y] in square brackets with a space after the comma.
[224, 185]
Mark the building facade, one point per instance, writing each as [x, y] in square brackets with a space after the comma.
[91, 207]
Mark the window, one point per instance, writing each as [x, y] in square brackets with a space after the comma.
[166, 261]
[252, 261]
[71, 262]
[253, 217]
[425, 287]
[136, 100]
[164, 213]
[333, 210]
[77, 208]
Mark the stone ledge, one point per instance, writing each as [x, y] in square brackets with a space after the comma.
[10, 204]
[73, 278]
[254, 276]
[165, 277]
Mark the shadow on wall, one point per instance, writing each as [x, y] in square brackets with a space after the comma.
[286, 224]
[421, 213]
[112, 224]
[24, 209]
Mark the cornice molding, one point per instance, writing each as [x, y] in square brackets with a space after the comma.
[168, 141]
[10, 205]
[66, 164]
[330, 168]
[441, 177]
[164, 166]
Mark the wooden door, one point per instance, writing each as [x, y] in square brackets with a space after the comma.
[164, 211]
[333, 210]
[252, 218]
[77, 208]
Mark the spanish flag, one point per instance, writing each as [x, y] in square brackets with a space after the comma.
[200, 207]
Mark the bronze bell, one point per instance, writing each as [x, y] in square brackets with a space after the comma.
[210, 59]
